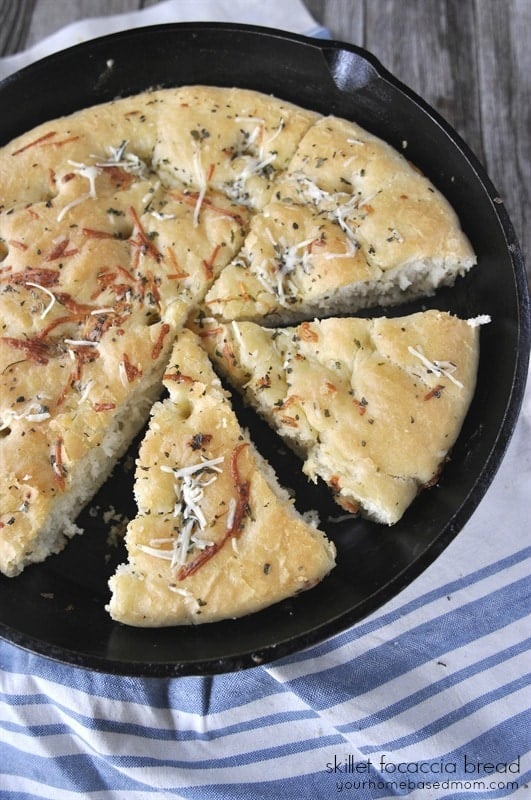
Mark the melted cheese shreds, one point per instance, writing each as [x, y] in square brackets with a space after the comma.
[122, 372]
[160, 216]
[231, 513]
[252, 120]
[181, 472]
[118, 158]
[86, 391]
[50, 295]
[440, 368]
[88, 171]
[157, 552]
[339, 206]
[267, 144]
[274, 272]
[201, 182]
[76, 202]
[190, 483]
[35, 411]
[178, 590]
[128, 162]
[80, 343]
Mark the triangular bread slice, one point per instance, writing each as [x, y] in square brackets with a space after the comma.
[372, 406]
[352, 224]
[215, 536]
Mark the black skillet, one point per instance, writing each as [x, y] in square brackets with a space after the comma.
[56, 609]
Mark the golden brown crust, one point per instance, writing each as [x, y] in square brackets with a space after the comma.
[200, 483]
[372, 406]
[351, 225]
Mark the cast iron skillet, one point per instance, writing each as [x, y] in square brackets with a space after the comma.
[57, 608]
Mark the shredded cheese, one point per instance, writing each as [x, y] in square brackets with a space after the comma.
[231, 513]
[118, 158]
[350, 252]
[274, 272]
[78, 200]
[259, 124]
[255, 120]
[50, 295]
[161, 217]
[256, 159]
[237, 333]
[80, 343]
[122, 372]
[439, 368]
[338, 205]
[267, 143]
[181, 472]
[178, 590]
[149, 194]
[190, 483]
[128, 162]
[157, 552]
[86, 391]
[90, 172]
[201, 181]
[33, 412]
[98, 311]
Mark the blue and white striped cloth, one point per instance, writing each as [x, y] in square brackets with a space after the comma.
[427, 698]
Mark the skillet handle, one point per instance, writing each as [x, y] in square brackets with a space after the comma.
[351, 69]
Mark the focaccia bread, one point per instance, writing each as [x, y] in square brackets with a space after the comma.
[215, 536]
[372, 406]
[120, 223]
[352, 224]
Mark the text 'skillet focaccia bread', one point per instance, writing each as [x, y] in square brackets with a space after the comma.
[121, 222]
